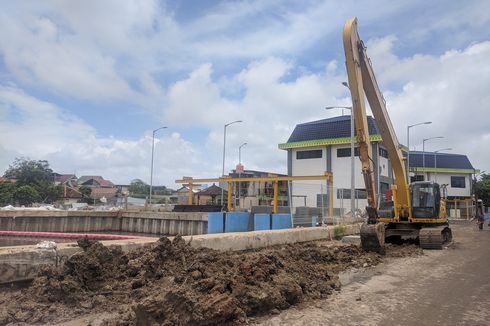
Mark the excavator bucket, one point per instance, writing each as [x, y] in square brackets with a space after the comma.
[373, 237]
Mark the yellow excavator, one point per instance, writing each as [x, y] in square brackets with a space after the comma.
[416, 210]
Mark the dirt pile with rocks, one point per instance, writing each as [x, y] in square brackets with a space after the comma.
[172, 283]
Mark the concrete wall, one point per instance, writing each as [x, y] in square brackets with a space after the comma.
[22, 262]
[158, 223]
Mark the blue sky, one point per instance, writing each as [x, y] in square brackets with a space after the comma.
[83, 84]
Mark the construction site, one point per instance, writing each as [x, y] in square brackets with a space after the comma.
[361, 230]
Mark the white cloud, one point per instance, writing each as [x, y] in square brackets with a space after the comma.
[40, 130]
[451, 90]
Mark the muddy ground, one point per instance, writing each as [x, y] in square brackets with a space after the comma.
[172, 283]
[441, 287]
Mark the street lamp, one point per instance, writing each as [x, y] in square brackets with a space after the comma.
[239, 172]
[435, 159]
[152, 151]
[408, 145]
[352, 163]
[224, 151]
[423, 147]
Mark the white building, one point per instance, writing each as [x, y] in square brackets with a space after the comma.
[454, 172]
[324, 145]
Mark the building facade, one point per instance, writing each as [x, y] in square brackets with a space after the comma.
[324, 145]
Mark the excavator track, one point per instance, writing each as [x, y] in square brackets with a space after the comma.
[373, 237]
[435, 237]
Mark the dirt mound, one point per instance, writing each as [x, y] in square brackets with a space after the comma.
[172, 283]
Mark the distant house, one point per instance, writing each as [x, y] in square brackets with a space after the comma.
[183, 194]
[65, 179]
[101, 188]
[209, 196]
[257, 193]
[95, 181]
[71, 195]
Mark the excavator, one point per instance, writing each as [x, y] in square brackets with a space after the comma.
[416, 210]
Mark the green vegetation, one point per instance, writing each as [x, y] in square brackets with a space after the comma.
[340, 230]
[139, 189]
[33, 183]
[482, 188]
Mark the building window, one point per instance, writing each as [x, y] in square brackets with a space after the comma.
[383, 152]
[458, 182]
[345, 152]
[416, 178]
[304, 155]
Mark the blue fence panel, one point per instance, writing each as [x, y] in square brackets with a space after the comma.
[216, 222]
[236, 221]
[281, 221]
[262, 222]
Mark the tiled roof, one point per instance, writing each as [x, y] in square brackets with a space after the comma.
[72, 193]
[103, 192]
[337, 127]
[98, 179]
[62, 178]
[105, 183]
[444, 160]
[85, 178]
[214, 190]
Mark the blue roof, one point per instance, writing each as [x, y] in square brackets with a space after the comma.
[444, 160]
[337, 127]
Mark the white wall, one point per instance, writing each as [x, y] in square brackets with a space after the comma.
[445, 178]
[309, 188]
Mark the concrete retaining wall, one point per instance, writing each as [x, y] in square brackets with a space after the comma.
[22, 262]
[158, 223]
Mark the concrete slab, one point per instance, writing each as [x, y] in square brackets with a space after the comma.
[352, 239]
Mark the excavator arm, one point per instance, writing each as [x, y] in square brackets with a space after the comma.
[362, 81]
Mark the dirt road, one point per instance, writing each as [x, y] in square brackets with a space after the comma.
[448, 287]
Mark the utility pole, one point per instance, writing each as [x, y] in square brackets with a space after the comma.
[224, 153]
[152, 151]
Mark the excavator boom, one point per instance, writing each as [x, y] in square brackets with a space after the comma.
[362, 81]
[403, 220]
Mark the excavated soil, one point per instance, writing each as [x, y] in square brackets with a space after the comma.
[172, 283]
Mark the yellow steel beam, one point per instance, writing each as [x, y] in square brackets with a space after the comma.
[276, 192]
[230, 192]
[191, 195]
[326, 176]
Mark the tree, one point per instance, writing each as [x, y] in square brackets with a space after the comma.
[27, 171]
[7, 190]
[37, 175]
[26, 195]
[482, 188]
[86, 192]
[138, 187]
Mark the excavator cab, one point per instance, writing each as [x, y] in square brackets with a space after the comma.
[426, 197]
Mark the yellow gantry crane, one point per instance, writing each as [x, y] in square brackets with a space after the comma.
[328, 176]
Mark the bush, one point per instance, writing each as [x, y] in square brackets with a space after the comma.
[26, 195]
[340, 230]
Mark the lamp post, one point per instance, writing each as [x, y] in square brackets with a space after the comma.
[352, 161]
[408, 145]
[224, 152]
[435, 158]
[239, 172]
[423, 151]
[152, 152]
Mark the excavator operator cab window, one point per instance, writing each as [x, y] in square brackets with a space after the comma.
[425, 200]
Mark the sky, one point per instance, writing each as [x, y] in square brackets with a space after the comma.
[84, 83]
